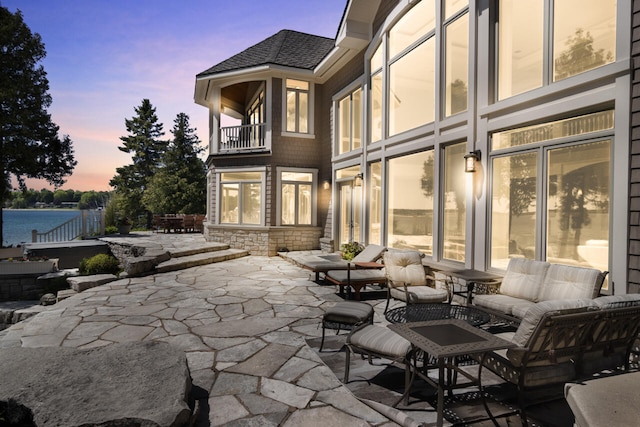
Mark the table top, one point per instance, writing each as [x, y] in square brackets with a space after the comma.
[471, 275]
[424, 312]
[449, 337]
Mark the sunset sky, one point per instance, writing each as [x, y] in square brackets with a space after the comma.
[105, 56]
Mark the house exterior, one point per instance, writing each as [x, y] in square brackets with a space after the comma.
[367, 137]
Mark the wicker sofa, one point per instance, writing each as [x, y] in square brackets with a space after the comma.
[565, 340]
[528, 282]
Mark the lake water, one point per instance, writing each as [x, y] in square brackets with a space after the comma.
[18, 223]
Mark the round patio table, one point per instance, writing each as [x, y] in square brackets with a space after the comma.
[423, 312]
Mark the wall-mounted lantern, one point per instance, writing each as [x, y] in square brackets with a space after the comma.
[326, 184]
[357, 180]
[470, 160]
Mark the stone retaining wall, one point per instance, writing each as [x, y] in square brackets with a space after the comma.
[266, 241]
[18, 287]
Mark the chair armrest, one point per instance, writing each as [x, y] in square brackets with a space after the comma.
[371, 264]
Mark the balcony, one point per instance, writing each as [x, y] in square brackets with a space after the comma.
[242, 139]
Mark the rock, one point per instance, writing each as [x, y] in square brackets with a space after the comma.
[48, 299]
[82, 283]
[137, 383]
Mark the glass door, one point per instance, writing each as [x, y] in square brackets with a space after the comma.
[350, 212]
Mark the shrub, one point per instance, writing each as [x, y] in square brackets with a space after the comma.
[110, 229]
[99, 264]
[351, 249]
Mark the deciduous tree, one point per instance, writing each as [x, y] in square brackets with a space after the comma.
[30, 146]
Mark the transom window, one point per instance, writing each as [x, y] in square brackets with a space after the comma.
[545, 41]
[241, 197]
[297, 98]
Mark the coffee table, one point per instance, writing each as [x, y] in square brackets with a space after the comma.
[445, 340]
[423, 312]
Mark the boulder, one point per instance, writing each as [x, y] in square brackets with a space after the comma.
[137, 383]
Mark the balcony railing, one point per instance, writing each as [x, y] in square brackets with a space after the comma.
[243, 138]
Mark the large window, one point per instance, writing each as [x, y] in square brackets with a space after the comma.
[376, 95]
[297, 200]
[547, 177]
[297, 96]
[457, 64]
[580, 41]
[454, 203]
[241, 198]
[350, 122]
[411, 97]
[410, 202]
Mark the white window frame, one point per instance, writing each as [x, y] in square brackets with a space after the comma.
[348, 91]
[263, 183]
[311, 106]
[314, 195]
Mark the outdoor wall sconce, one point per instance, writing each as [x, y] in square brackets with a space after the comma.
[326, 185]
[357, 180]
[470, 161]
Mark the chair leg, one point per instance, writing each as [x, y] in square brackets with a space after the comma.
[322, 340]
[347, 363]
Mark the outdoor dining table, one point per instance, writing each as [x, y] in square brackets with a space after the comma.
[171, 223]
[445, 340]
[423, 312]
[469, 276]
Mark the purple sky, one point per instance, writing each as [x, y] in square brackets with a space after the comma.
[105, 56]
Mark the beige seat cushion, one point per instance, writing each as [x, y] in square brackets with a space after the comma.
[380, 340]
[503, 304]
[420, 295]
[567, 282]
[404, 267]
[524, 278]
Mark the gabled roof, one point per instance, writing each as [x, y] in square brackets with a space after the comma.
[287, 48]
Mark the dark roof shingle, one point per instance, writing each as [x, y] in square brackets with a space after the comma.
[286, 48]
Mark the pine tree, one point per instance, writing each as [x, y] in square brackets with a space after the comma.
[146, 147]
[179, 186]
[29, 143]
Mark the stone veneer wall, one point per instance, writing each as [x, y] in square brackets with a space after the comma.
[20, 287]
[266, 241]
[634, 191]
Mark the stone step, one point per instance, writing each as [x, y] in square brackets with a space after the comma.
[197, 259]
[198, 249]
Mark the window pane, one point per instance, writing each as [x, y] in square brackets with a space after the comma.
[453, 6]
[241, 176]
[344, 130]
[457, 52]
[357, 119]
[376, 59]
[288, 204]
[412, 26]
[578, 205]
[303, 120]
[375, 203]
[454, 203]
[304, 204]
[291, 110]
[297, 176]
[581, 125]
[513, 208]
[520, 46]
[297, 84]
[251, 203]
[583, 41]
[229, 201]
[410, 195]
[412, 80]
[376, 107]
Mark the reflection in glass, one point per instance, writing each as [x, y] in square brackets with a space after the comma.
[375, 203]
[454, 203]
[410, 210]
[583, 41]
[513, 208]
[578, 205]
[520, 46]
[350, 125]
[376, 107]
[411, 99]
[229, 201]
[250, 203]
[457, 51]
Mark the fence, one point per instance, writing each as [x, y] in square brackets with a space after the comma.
[88, 223]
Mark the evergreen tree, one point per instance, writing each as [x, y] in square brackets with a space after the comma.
[179, 186]
[146, 148]
[29, 143]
